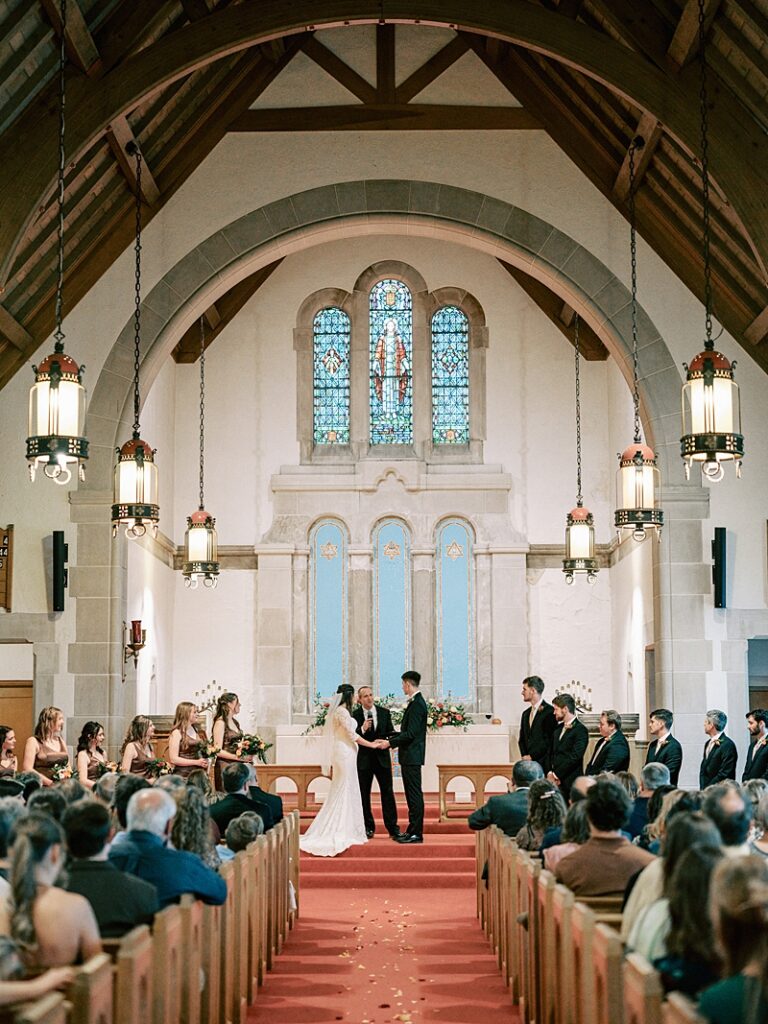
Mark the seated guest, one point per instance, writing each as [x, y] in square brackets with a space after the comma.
[731, 811]
[690, 962]
[125, 787]
[759, 844]
[242, 831]
[756, 765]
[48, 801]
[509, 810]
[569, 744]
[630, 783]
[606, 862]
[574, 833]
[236, 779]
[90, 759]
[192, 827]
[144, 853]
[262, 798]
[11, 810]
[137, 750]
[104, 790]
[718, 761]
[611, 753]
[661, 803]
[755, 790]
[546, 809]
[199, 779]
[645, 918]
[738, 901]
[578, 792]
[119, 901]
[664, 748]
[652, 777]
[30, 781]
[72, 790]
[172, 784]
[51, 927]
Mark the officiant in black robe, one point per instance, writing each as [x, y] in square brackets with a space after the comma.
[374, 722]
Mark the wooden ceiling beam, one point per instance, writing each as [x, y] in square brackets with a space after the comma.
[120, 138]
[15, 332]
[651, 132]
[685, 41]
[430, 70]
[381, 117]
[567, 313]
[129, 28]
[640, 25]
[226, 308]
[552, 306]
[80, 43]
[212, 316]
[196, 9]
[758, 329]
[385, 63]
[338, 69]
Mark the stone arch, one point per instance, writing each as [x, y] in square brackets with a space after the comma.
[372, 207]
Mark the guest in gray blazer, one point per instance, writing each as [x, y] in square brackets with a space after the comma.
[509, 810]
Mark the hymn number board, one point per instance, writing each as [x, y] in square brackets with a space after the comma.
[6, 565]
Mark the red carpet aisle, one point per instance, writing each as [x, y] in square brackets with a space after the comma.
[388, 935]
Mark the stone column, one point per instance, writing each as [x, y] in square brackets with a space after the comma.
[274, 634]
[423, 618]
[360, 637]
[301, 698]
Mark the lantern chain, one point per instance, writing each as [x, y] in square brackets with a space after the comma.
[202, 410]
[637, 143]
[59, 333]
[137, 310]
[709, 343]
[578, 414]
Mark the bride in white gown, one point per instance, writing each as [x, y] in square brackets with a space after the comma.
[339, 823]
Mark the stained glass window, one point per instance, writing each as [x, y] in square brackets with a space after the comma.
[331, 377]
[450, 376]
[391, 319]
[328, 607]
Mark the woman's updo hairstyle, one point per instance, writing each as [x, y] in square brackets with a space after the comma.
[222, 706]
[31, 839]
[347, 693]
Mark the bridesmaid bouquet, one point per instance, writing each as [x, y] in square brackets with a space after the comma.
[60, 772]
[252, 745]
[157, 767]
[209, 749]
[105, 767]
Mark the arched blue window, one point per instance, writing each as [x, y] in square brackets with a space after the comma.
[391, 344]
[330, 365]
[455, 610]
[328, 608]
[391, 604]
[450, 376]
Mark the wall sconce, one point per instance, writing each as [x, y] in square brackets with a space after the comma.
[135, 640]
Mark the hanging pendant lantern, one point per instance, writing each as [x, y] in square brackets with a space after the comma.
[200, 541]
[711, 406]
[638, 478]
[57, 399]
[136, 477]
[579, 523]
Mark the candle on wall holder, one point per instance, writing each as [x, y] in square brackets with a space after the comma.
[134, 641]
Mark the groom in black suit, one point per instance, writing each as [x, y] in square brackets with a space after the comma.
[374, 722]
[411, 741]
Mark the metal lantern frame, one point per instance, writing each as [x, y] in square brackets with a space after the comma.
[711, 407]
[57, 400]
[579, 523]
[136, 475]
[200, 538]
[638, 480]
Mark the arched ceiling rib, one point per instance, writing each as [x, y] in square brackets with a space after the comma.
[177, 75]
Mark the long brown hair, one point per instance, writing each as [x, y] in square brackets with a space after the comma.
[181, 720]
[221, 711]
[691, 935]
[45, 723]
[137, 732]
[191, 829]
[34, 836]
[739, 902]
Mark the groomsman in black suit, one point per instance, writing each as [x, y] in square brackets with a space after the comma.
[537, 725]
[411, 741]
[374, 722]
[757, 757]
[569, 744]
[718, 762]
[611, 753]
[664, 748]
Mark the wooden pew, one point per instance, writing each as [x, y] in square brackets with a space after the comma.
[50, 1009]
[607, 957]
[481, 858]
[271, 894]
[295, 872]
[509, 924]
[91, 993]
[134, 976]
[227, 944]
[521, 938]
[643, 992]
[563, 902]
[192, 958]
[242, 899]
[607, 909]
[167, 954]
[263, 847]
[546, 960]
[678, 1009]
[253, 866]
[583, 935]
[211, 994]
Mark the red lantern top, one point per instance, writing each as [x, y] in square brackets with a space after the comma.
[719, 362]
[630, 454]
[67, 365]
[579, 514]
[200, 517]
[130, 449]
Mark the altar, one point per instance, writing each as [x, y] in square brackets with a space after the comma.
[480, 744]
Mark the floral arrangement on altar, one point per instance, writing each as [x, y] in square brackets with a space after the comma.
[440, 713]
[61, 771]
[157, 767]
[253, 745]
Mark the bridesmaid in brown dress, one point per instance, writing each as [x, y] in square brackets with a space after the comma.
[46, 749]
[226, 735]
[185, 740]
[137, 750]
[8, 761]
[90, 754]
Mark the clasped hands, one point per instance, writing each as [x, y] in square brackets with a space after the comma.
[381, 744]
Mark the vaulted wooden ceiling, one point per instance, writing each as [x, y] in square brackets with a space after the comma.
[175, 76]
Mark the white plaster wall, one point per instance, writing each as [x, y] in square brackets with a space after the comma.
[16, 661]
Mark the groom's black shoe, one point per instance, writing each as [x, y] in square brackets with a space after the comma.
[397, 835]
[369, 833]
[409, 838]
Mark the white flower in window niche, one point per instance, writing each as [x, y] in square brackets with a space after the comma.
[329, 551]
[392, 550]
[454, 551]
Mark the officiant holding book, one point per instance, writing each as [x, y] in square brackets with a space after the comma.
[374, 722]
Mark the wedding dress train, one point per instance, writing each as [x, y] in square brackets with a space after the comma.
[339, 823]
